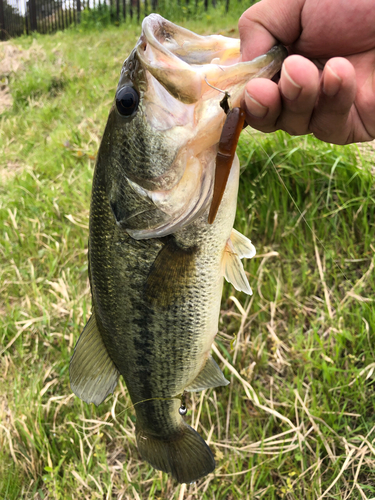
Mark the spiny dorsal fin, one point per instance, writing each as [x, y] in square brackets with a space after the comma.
[169, 273]
[209, 376]
[242, 245]
[237, 246]
[93, 374]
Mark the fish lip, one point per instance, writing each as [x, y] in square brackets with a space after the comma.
[171, 71]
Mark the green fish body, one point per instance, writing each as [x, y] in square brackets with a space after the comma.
[156, 266]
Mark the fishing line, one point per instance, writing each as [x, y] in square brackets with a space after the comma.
[181, 397]
[295, 204]
[224, 103]
[182, 410]
[216, 88]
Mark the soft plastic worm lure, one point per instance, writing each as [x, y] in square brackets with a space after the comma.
[224, 159]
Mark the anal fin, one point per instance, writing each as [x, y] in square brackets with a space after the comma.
[93, 374]
[237, 247]
[209, 376]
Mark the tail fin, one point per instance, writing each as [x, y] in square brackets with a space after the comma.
[186, 456]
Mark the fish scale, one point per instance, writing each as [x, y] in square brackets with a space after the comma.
[156, 265]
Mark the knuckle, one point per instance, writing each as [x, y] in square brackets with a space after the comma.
[322, 130]
[293, 126]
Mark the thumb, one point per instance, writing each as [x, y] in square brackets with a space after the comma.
[268, 22]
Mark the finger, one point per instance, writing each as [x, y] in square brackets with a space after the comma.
[267, 22]
[255, 38]
[262, 104]
[331, 121]
[299, 87]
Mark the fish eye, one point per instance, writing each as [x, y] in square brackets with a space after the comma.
[127, 100]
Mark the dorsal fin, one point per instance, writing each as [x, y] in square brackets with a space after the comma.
[209, 376]
[93, 374]
[237, 246]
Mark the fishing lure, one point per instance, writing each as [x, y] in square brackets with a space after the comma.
[227, 149]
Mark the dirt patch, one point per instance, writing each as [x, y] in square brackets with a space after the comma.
[13, 59]
[8, 171]
[367, 150]
[6, 100]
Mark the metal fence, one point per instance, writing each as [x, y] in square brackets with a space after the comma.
[19, 17]
[45, 16]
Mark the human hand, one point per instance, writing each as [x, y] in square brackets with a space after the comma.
[327, 87]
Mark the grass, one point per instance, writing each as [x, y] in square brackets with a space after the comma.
[298, 419]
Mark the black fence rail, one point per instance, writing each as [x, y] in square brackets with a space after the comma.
[45, 16]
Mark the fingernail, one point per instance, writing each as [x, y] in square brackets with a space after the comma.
[254, 107]
[289, 88]
[331, 82]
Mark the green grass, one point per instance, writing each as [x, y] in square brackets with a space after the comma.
[298, 418]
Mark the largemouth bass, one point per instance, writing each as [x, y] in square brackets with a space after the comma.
[156, 265]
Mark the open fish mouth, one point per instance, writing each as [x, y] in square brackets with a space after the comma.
[186, 63]
[176, 74]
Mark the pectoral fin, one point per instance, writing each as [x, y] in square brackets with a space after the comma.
[209, 376]
[242, 245]
[169, 273]
[237, 246]
[93, 374]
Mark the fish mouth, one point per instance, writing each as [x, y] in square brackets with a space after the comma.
[186, 63]
[180, 100]
[173, 55]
